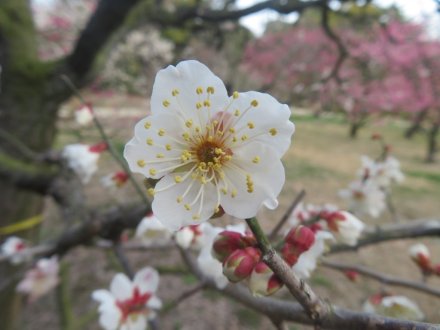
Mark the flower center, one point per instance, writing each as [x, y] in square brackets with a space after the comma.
[212, 154]
[133, 305]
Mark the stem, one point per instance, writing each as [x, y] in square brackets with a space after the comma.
[105, 137]
[119, 253]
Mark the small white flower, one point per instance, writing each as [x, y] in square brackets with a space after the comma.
[209, 150]
[129, 304]
[150, 229]
[394, 306]
[344, 225]
[84, 115]
[364, 198]
[381, 173]
[307, 261]
[83, 159]
[42, 278]
[12, 248]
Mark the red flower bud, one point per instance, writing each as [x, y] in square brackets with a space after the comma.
[227, 242]
[240, 264]
[99, 147]
[301, 237]
[352, 275]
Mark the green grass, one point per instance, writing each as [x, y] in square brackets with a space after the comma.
[433, 177]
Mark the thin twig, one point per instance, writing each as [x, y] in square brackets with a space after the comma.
[287, 214]
[119, 253]
[105, 137]
[185, 295]
[383, 278]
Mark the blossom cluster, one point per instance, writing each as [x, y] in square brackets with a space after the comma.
[368, 194]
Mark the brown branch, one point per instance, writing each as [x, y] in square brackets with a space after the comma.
[119, 253]
[107, 224]
[278, 310]
[342, 50]
[287, 214]
[182, 297]
[412, 229]
[383, 278]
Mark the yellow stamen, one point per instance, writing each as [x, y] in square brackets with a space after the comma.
[150, 141]
[175, 92]
[199, 90]
[235, 95]
[256, 160]
[178, 178]
[147, 125]
[254, 103]
[151, 191]
[141, 163]
[166, 103]
[251, 125]
[152, 171]
[273, 131]
[168, 147]
[161, 132]
[210, 90]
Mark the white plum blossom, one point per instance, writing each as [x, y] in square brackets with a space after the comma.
[382, 173]
[39, 280]
[394, 306]
[83, 159]
[307, 261]
[12, 249]
[129, 304]
[151, 230]
[364, 198]
[84, 115]
[190, 236]
[210, 151]
[345, 226]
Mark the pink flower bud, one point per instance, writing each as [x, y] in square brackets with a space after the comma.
[263, 282]
[301, 237]
[226, 243]
[240, 264]
[99, 147]
[352, 275]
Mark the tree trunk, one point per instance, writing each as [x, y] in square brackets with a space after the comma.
[416, 124]
[354, 129]
[432, 142]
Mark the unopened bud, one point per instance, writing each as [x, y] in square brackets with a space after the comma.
[226, 243]
[240, 264]
[301, 237]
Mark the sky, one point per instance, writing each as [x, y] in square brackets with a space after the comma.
[415, 10]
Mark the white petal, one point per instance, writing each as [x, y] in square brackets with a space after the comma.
[154, 303]
[147, 280]
[110, 319]
[137, 149]
[102, 296]
[186, 77]
[268, 114]
[121, 287]
[268, 178]
[172, 214]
